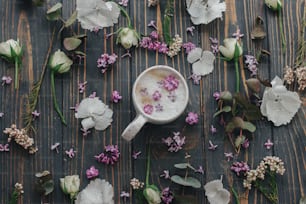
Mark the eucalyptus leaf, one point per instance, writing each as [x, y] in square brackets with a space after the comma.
[48, 187]
[225, 109]
[237, 122]
[54, 13]
[239, 141]
[79, 53]
[181, 165]
[188, 181]
[71, 19]
[80, 36]
[71, 43]
[251, 111]
[42, 174]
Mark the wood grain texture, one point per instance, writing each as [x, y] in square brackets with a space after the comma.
[19, 19]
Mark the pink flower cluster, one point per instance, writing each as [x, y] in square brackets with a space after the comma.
[240, 168]
[170, 83]
[214, 45]
[174, 143]
[4, 148]
[105, 60]
[252, 63]
[192, 118]
[188, 47]
[116, 97]
[110, 155]
[92, 172]
[152, 43]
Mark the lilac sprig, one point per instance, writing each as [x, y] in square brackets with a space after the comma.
[251, 63]
[109, 156]
[174, 143]
[105, 60]
[240, 168]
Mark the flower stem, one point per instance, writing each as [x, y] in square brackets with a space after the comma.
[148, 166]
[237, 76]
[235, 194]
[280, 18]
[54, 99]
[16, 73]
[126, 15]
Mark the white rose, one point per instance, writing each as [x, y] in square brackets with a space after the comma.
[229, 48]
[127, 37]
[59, 62]
[70, 185]
[5, 48]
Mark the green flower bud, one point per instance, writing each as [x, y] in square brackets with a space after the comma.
[128, 37]
[274, 4]
[226, 96]
[59, 62]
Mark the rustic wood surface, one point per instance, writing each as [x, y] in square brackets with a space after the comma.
[18, 19]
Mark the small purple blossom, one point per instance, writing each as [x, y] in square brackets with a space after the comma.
[170, 83]
[212, 146]
[148, 109]
[92, 172]
[268, 144]
[82, 86]
[55, 147]
[85, 132]
[213, 130]
[159, 108]
[93, 95]
[4, 147]
[154, 34]
[136, 154]
[110, 155]
[105, 60]
[246, 144]
[172, 96]
[214, 40]
[200, 170]
[229, 155]
[163, 48]
[215, 49]
[240, 168]
[116, 97]
[192, 118]
[174, 143]
[145, 42]
[6, 80]
[217, 95]
[165, 174]
[195, 78]
[167, 196]
[156, 95]
[1, 114]
[35, 114]
[124, 195]
[70, 153]
[252, 63]
[190, 30]
[144, 92]
[152, 23]
[123, 2]
[188, 47]
[238, 34]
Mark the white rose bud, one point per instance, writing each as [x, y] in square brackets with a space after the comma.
[152, 194]
[10, 49]
[59, 62]
[70, 185]
[128, 37]
[231, 49]
[274, 4]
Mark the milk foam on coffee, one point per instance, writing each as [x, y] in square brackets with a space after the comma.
[157, 98]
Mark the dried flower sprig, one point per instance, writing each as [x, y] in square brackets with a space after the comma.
[18, 191]
[263, 177]
[21, 138]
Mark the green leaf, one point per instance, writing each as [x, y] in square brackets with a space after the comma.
[181, 165]
[225, 109]
[237, 122]
[188, 181]
[80, 36]
[54, 13]
[80, 53]
[239, 141]
[303, 200]
[249, 126]
[71, 19]
[71, 43]
[251, 111]
[48, 187]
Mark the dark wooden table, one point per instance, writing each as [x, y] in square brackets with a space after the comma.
[19, 19]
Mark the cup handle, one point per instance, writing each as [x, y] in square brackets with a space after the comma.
[134, 127]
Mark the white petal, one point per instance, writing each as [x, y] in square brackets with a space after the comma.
[194, 55]
[88, 123]
[102, 122]
[205, 65]
[228, 50]
[277, 81]
[89, 107]
[212, 187]
[195, 9]
[221, 197]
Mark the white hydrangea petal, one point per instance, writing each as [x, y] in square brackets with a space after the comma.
[277, 81]
[222, 197]
[102, 122]
[194, 55]
[90, 106]
[291, 101]
[88, 123]
[195, 9]
[212, 187]
[205, 65]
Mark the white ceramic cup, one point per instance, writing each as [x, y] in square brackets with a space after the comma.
[169, 105]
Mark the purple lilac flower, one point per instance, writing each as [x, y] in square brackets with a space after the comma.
[200, 170]
[82, 86]
[163, 48]
[217, 95]
[190, 30]
[148, 109]
[152, 23]
[167, 196]
[215, 49]
[6, 80]
[214, 45]
[144, 92]
[4, 148]
[240, 168]
[110, 155]
[123, 2]
[136, 154]
[105, 60]
[92, 172]
[212, 146]
[156, 95]
[85, 132]
[70, 153]
[192, 118]
[238, 34]
[214, 40]
[174, 143]
[195, 78]
[166, 174]
[145, 42]
[116, 97]
[213, 130]
[55, 147]
[268, 144]
[252, 63]
[246, 144]
[124, 195]
[154, 35]
[1, 114]
[229, 155]
[172, 96]
[35, 114]
[159, 108]
[170, 83]
[188, 47]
